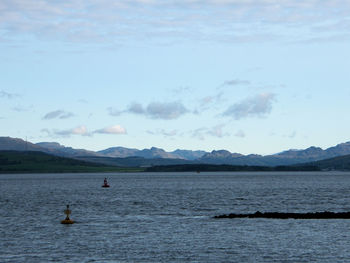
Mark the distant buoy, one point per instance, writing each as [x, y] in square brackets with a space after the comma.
[105, 183]
[67, 220]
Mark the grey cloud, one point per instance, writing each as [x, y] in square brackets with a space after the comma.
[181, 90]
[114, 112]
[335, 38]
[211, 99]
[216, 131]
[7, 95]
[136, 108]
[23, 109]
[166, 111]
[207, 102]
[257, 106]
[236, 82]
[292, 135]
[19, 109]
[58, 114]
[164, 133]
[120, 20]
[199, 133]
[83, 101]
[159, 110]
[240, 133]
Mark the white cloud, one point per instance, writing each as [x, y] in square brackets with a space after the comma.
[58, 114]
[83, 131]
[257, 106]
[116, 129]
[80, 130]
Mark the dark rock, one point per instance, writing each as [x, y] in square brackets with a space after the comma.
[276, 215]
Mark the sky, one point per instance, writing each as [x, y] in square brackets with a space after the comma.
[248, 76]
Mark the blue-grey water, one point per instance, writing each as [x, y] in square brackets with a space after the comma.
[168, 217]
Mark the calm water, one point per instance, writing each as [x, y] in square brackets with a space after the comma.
[168, 217]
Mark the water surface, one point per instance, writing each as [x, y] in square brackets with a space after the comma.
[167, 217]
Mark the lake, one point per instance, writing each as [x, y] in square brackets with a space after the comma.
[168, 217]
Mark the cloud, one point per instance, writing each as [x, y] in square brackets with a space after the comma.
[114, 112]
[211, 99]
[215, 131]
[136, 108]
[165, 111]
[116, 129]
[7, 95]
[199, 133]
[236, 82]
[207, 102]
[83, 101]
[58, 114]
[181, 90]
[240, 133]
[158, 110]
[83, 131]
[164, 133]
[23, 109]
[292, 135]
[257, 106]
[80, 130]
[110, 21]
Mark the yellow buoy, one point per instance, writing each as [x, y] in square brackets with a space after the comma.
[67, 220]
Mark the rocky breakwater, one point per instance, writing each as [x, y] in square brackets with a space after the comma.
[277, 215]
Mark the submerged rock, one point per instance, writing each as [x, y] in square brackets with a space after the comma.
[276, 215]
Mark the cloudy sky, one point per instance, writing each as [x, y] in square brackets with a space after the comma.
[249, 76]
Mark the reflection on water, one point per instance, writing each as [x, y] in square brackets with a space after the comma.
[167, 217]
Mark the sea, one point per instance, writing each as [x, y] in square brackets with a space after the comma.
[169, 217]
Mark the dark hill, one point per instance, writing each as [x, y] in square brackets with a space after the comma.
[336, 163]
[16, 144]
[39, 162]
[134, 161]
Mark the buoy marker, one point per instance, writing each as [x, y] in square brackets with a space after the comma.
[105, 183]
[67, 220]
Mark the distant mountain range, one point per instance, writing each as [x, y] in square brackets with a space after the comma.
[151, 153]
[122, 156]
